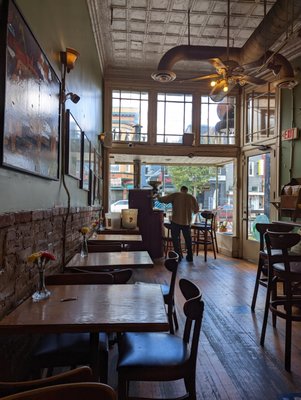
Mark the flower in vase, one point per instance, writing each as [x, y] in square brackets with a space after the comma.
[84, 230]
[95, 224]
[84, 247]
[41, 258]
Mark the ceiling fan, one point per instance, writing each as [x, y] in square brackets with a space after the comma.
[228, 73]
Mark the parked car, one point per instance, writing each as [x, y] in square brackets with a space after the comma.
[225, 211]
[119, 205]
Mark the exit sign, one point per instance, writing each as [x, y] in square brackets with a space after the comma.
[290, 134]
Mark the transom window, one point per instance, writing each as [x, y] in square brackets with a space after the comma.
[174, 117]
[217, 121]
[129, 116]
[260, 116]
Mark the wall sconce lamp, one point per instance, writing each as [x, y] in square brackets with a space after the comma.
[73, 97]
[105, 139]
[68, 58]
[101, 137]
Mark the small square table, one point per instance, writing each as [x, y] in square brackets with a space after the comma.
[108, 238]
[111, 260]
[91, 308]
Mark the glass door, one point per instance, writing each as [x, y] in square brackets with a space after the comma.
[259, 189]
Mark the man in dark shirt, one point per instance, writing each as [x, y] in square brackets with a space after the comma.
[183, 205]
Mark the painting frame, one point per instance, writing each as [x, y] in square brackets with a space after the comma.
[85, 163]
[98, 164]
[30, 142]
[73, 147]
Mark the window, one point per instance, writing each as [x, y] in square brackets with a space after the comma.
[121, 180]
[251, 168]
[219, 197]
[129, 116]
[115, 168]
[174, 117]
[258, 192]
[260, 116]
[217, 121]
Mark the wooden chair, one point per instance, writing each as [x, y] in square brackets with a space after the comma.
[74, 391]
[115, 276]
[262, 267]
[167, 242]
[160, 356]
[286, 268]
[168, 290]
[204, 233]
[71, 349]
[81, 374]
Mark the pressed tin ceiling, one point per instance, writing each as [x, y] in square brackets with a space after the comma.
[135, 34]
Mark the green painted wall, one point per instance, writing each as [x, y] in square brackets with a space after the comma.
[291, 117]
[58, 24]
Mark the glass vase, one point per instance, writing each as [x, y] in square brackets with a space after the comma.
[42, 293]
[84, 248]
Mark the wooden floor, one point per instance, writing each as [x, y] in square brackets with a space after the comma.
[231, 363]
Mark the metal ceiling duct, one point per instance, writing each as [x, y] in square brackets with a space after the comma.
[254, 51]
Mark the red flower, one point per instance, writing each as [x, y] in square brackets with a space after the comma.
[47, 255]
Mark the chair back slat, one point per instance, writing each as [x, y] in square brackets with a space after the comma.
[74, 391]
[193, 310]
[263, 227]
[80, 374]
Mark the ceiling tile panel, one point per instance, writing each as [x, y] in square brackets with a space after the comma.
[156, 28]
[156, 16]
[118, 36]
[159, 4]
[138, 3]
[201, 6]
[177, 18]
[137, 15]
[119, 25]
[118, 3]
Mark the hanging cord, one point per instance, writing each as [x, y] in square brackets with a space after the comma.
[293, 125]
[189, 26]
[63, 142]
[228, 29]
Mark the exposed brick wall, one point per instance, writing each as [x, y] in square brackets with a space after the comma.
[21, 234]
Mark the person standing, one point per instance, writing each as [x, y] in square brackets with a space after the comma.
[183, 205]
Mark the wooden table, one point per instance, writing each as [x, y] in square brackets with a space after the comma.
[121, 231]
[111, 260]
[124, 239]
[97, 308]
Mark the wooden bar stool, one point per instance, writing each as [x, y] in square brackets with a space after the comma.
[262, 267]
[167, 240]
[286, 268]
[203, 233]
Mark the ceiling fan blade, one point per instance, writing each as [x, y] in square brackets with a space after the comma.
[200, 78]
[252, 80]
[217, 63]
[217, 93]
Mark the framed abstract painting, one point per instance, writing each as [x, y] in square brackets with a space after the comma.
[73, 146]
[30, 140]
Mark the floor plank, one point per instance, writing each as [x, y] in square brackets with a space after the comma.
[231, 363]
